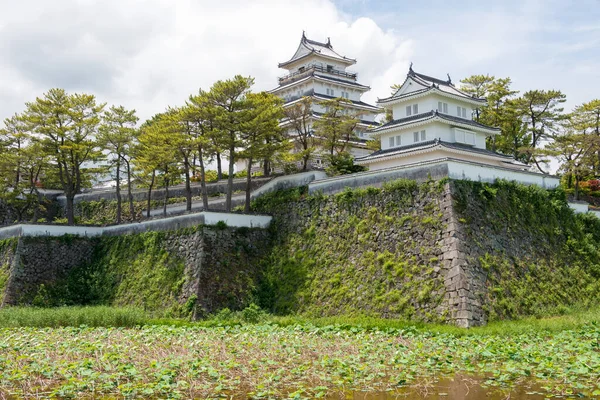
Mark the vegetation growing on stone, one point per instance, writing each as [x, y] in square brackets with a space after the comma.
[536, 255]
[361, 251]
[7, 251]
[183, 273]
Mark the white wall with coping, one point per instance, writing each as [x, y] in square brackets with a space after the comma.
[464, 170]
[579, 206]
[289, 181]
[436, 169]
[594, 212]
[238, 220]
[173, 223]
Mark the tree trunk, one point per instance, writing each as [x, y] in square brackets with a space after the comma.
[219, 168]
[188, 186]
[118, 190]
[150, 194]
[166, 196]
[305, 162]
[36, 206]
[203, 180]
[129, 194]
[266, 167]
[230, 179]
[576, 187]
[248, 185]
[70, 195]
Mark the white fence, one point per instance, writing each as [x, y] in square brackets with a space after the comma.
[173, 223]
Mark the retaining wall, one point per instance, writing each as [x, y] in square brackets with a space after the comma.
[159, 194]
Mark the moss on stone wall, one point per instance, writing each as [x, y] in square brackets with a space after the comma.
[7, 251]
[533, 255]
[362, 251]
[134, 270]
[519, 250]
[190, 271]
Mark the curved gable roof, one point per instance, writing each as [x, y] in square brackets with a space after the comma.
[308, 47]
[429, 83]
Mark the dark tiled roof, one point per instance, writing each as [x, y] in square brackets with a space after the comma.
[429, 78]
[373, 123]
[448, 117]
[431, 115]
[316, 75]
[430, 83]
[308, 46]
[433, 143]
[358, 103]
[331, 78]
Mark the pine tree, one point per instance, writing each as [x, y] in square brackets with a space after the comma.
[66, 126]
[118, 135]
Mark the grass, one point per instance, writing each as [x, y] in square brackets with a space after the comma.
[102, 316]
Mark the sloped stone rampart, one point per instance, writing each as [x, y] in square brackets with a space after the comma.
[463, 252]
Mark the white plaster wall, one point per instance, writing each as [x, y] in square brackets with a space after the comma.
[430, 103]
[480, 140]
[432, 130]
[470, 171]
[205, 217]
[579, 207]
[288, 181]
[237, 220]
[359, 152]
[432, 156]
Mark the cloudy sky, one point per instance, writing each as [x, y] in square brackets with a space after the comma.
[147, 54]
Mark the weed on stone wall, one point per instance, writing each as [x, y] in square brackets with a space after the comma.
[7, 251]
[365, 251]
[538, 256]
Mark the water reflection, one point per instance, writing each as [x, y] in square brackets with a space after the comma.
[456, 388]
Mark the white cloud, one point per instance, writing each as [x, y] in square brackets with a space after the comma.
[150, 54]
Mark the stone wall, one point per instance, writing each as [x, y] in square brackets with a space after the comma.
[43, 261]
[380, 252]
[188, 271]
[444, 251]
[7, 215]
[159, 194]
[457, 251]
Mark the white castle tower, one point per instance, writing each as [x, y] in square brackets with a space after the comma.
[318, 71]
[431, 121]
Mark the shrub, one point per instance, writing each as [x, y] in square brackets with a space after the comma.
[343, 164]
[252, 314]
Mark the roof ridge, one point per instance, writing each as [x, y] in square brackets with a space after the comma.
[310, 41]
[430, 78]
[433, 143]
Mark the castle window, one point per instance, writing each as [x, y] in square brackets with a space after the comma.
[330, 68]
[461, 112]
[411, 110]
[398, 140]
[442, 107]
[392, 141]
[419, 136]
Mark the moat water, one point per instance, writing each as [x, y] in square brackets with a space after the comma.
[457, 388]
